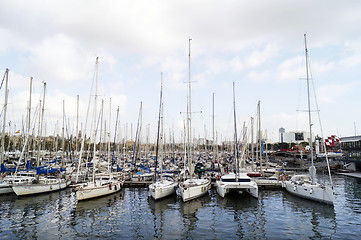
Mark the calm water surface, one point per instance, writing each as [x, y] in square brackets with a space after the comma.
[132, 214]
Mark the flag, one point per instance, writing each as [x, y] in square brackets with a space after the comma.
[17, 132]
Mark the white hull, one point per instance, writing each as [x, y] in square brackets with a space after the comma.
[41, 187]
[229, 183]
[161, 189]
[194, 188]
[97, 189]
[315, 192]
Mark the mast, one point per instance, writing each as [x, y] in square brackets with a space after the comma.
[252, 143]
[4, 120]
[189, 110]
[235, 132]
[41, 124]
[159, 115]
[259, 134]
[312, 168]
[95, 116]
[77, 121]
[213, 136]
[63, 134]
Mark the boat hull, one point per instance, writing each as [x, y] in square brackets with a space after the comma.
[30, 189]
[162, 189]
[315, 192]
[233, 182]
[194, 188]
[91, 190]
[225, 187]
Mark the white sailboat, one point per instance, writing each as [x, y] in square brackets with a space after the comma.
[238, 181]
[191, 188]
[101, 184]
[161, 187]
[305, 185]
[41, 184]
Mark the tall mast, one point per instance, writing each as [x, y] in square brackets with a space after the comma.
[41, 124]
[4, 120]
[259, 134]
[95, 116]
[29, 109]
[189, 107]
[159, 115]
[309, 112]
[213, 136]
[235, 132]
[77, 128]
[252, 143]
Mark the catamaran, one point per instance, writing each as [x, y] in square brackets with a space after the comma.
[238, 180]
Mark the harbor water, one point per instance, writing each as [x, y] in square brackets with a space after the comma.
[132, 214]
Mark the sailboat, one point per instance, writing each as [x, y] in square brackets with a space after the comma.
[161, 187]
[102, 183]
[191, 188]
[45, 182]
[236, 181]
[305, 185]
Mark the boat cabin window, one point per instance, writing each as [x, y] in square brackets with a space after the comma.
[244, 180]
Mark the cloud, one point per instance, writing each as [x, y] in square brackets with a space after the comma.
[332, 93]
[291, 69]
[60, 59]
[256, 58]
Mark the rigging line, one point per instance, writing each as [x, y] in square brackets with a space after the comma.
[321, 129]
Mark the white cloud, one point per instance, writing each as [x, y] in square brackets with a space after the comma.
[332, 93]
[59, 58]
[256, 58]
[291, 69]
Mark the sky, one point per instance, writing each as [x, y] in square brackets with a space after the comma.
[258, 45]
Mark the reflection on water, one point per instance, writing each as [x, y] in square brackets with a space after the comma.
[133, 214]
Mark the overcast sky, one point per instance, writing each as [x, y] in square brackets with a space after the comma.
[257, 44]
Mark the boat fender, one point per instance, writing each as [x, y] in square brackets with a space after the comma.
[219, 177]
[4, 175]
[138, 178]
[294, 188]
[311, 191]
[110, 186]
